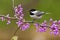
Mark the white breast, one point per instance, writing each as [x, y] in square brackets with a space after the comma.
[35, 17]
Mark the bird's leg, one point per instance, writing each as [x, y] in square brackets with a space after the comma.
[33, 20]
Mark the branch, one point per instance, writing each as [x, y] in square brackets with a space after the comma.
[13, 4]
[13, 18]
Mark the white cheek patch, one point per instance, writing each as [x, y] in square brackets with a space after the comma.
[34, 11]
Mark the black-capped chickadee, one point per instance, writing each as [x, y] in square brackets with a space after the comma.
[35, 14]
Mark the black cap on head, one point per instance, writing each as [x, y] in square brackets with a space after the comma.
[33, 10]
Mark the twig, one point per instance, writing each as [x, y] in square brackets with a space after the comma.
[13, 4]
[8, 17]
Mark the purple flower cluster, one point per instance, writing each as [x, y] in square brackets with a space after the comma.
[53, 25]
[25, 26]
[41, 27]
[2, 18]
[59, 22]
[36, 25]
[19, 23]
[54, 29]
[19, 12]
[7, 18]
[19, 15]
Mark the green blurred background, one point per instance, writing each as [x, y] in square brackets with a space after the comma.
[50, 6]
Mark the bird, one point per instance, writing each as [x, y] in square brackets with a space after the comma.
[36, 14]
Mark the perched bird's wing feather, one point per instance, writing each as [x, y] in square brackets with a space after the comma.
[39, 13]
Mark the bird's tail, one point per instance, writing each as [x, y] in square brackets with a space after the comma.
[48, 13]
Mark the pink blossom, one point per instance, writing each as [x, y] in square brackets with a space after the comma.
[2, 18]
[8, 22]
[54, 29]
[25, 26]
[59, 22]
[19, 23]
[36, 25]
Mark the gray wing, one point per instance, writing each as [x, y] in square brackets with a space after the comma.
[39, 13]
